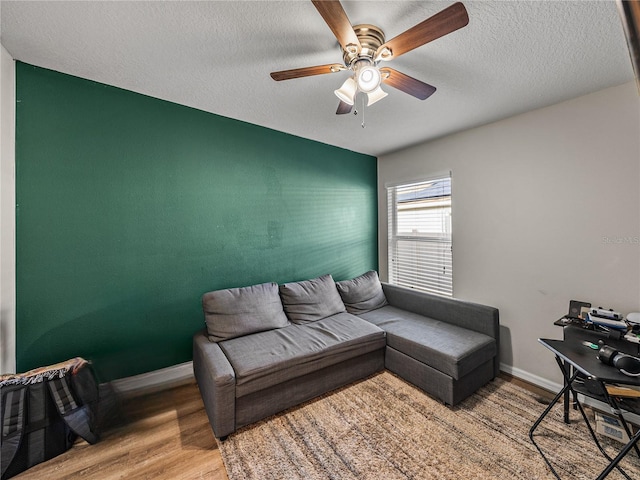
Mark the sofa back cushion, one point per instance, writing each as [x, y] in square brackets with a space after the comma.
[240, 311]
[311, 300]
[362, 294]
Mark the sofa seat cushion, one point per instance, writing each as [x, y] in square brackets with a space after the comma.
[268, 358]
[452, 350]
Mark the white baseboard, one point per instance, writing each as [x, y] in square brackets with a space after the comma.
[531, 378]
[183, 373]
[154, 381]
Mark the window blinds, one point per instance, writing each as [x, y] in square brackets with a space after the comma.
[419, 219]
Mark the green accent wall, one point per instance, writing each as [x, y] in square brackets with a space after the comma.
[129, 208]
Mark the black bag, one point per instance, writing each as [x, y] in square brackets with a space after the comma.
[43, 412]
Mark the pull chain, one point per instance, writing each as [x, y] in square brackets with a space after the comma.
[355, 112]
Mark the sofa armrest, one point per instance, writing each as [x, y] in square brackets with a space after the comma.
[472, 316]
[217, 382]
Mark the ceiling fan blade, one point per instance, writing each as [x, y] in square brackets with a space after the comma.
[343, 108]
[407, 84]
[307, 71]
[448, 20]
[335, 16]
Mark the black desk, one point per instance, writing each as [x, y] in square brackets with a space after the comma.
[576, 332]
[578, 361]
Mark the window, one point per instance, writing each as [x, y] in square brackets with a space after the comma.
[419, 217]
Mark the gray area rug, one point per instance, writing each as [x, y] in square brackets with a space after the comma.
[385, 428]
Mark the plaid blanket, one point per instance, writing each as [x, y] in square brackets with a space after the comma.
[41, 374]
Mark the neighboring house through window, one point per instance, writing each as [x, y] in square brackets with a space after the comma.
[419, 216]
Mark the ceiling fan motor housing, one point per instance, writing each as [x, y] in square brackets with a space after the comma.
[370, 37]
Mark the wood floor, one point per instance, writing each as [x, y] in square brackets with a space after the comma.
[165, 435]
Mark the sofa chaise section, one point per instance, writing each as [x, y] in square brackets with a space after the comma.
[445, 346]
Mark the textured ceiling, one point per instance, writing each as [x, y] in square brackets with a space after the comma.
[217, 55]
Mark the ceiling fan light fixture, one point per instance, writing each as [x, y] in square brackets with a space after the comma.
[347, 92]
[377, 94]
[368, 78]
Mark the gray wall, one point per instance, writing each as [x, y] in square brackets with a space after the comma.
[546, 209]
[7, 213]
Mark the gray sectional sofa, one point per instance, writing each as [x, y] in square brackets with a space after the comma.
[268, 347]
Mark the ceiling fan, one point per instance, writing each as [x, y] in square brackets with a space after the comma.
[364, 47]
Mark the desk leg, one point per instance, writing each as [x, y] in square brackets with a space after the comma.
[566, 391]
[633, 443]
[561, 393]
[613, 462]
[570, 375]
[618, 411]
[567, 371]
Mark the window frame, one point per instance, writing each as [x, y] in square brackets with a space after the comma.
[443, 284]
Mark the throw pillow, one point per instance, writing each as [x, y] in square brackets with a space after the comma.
[240, 311]
[362, 294]
[311, 300]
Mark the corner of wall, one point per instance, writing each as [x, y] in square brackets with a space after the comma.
[7, 213]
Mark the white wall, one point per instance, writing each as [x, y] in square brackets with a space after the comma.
[534, 197]
[7, 213]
